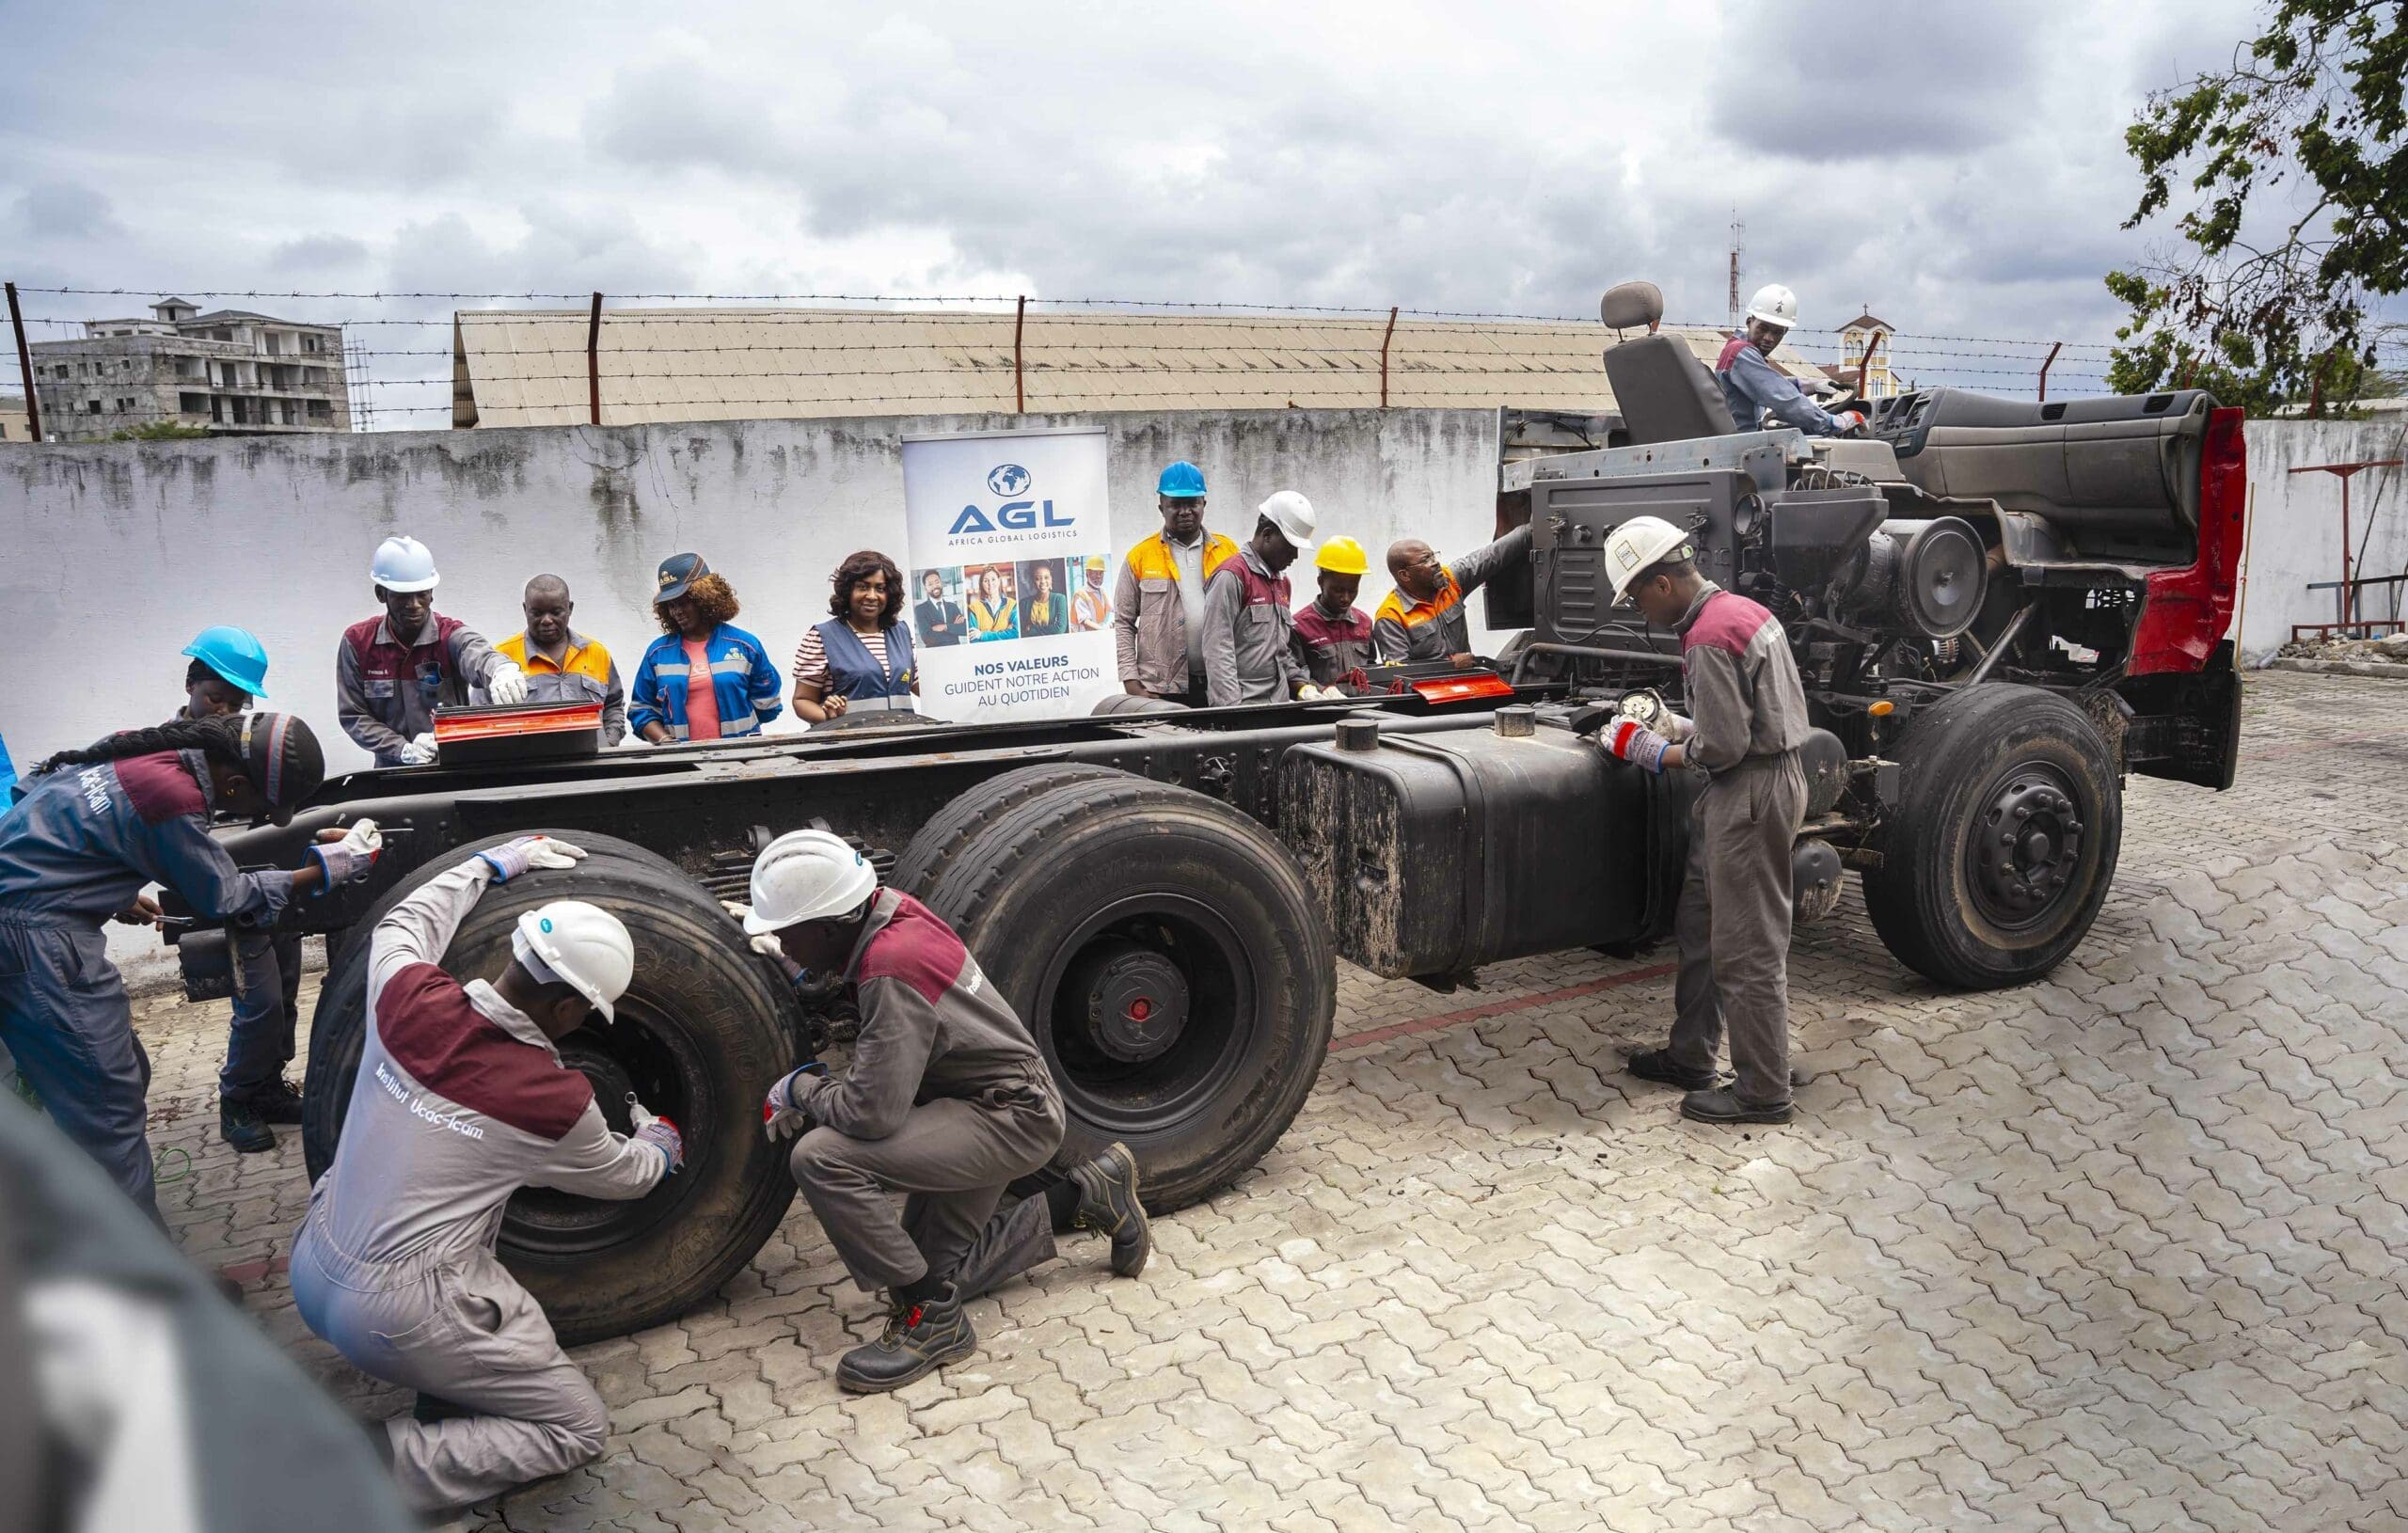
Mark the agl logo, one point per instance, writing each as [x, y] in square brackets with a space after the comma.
[1012, 516]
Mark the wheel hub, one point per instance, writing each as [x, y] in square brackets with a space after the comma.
[1134, 1001]
[2029, 846]
[611, 1081]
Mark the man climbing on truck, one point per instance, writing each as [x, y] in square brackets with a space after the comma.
[1753, 388]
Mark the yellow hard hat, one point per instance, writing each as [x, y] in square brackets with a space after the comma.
[1342, 555]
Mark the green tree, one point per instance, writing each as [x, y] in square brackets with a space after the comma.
[159, 431]
[2275, 310]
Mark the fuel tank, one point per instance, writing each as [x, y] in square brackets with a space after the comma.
[1433, 854]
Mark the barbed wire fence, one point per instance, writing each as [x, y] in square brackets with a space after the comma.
[788, 353]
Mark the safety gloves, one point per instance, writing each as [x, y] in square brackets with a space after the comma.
[419, 752]
[1634, 742]
[512, 857]
[347, 860]
[509, 685]
[1309, 692]
[660, 1135]
[779, 1117]
[1848, 420]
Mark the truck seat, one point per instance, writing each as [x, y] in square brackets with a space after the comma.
[1664, 392]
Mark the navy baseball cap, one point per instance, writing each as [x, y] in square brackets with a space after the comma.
[677, 572]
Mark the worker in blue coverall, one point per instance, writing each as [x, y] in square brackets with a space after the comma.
[228, 674]
[95, 827]
[1753, 388]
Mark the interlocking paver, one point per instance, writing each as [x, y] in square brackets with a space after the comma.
[2116, 1250]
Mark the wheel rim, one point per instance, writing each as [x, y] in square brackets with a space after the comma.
[2026, 852]
[636, 1052]
[1148, 1008]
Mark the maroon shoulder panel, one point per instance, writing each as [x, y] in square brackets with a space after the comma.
[361, 637]
[1729, 622]
[159, 787]
[424, 1020]
[1731, 348]
[916, 948]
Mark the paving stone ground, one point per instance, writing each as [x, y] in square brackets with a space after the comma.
[2118, 1250]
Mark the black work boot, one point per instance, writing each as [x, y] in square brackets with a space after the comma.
[240, 1125]
[1657, 1064]
[919, 1339]
[1723, 1105]
[276, 1102]
[1108, 1204]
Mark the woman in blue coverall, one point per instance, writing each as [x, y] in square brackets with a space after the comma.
[95, 827]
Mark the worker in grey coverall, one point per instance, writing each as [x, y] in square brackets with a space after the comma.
[394, 669]
[1424, 617]
[96, 826]
[462, 1098]
[1158, 607]
[948, 1101]
[1732, 920]
[1249, 630]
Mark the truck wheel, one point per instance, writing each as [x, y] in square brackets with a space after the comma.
[949, 827]
[1167, 955]
[699, 1036]
[1999, 855]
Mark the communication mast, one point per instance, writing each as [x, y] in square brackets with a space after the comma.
[1737, 229]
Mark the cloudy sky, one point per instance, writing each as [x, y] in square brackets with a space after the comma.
[1958, 168]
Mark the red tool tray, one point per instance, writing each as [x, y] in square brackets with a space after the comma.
[516, 732]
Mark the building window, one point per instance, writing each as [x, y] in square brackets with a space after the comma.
[193, 404]
[309, 344]
[92, 407]
[62, 369]
[318, 410]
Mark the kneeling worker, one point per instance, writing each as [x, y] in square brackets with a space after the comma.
[948, 1101]
[1733, 921]
[462, 1100]
[1248, 631]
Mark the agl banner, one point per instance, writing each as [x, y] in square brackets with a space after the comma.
[1010, 574]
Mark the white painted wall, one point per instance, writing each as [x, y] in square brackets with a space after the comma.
[2295, 531]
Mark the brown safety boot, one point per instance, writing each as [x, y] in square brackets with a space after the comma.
[919, 1339]
[1108, 1205]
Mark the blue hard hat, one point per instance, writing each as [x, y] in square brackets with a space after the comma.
[1181, 481]
[234, 653]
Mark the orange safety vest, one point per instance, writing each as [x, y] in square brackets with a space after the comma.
[1150, 559]
[1449, 597]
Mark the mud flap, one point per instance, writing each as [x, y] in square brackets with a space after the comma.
[2203, 744]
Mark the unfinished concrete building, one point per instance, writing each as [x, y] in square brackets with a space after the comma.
[229, 370]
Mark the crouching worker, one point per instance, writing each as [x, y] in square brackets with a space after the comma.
[948, 1101]
[462, 1100]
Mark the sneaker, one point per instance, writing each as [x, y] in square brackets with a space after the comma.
[1108, 1204]
[1658, 1066]
[276, 1102]
[919, 1339]
[240, 1125]
[1723, 1105]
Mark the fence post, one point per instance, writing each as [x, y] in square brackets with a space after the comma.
[1384, 358]
[594, 364]
[24, 366]
[1864, 364]
[1020, 381]
[2053, 348]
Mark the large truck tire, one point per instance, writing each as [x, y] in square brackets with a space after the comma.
[1998, 856]
[701, 1032]
[945, 832]
[1167, 955]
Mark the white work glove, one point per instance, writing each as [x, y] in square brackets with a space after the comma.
[509, 684]
[347, 860]
[766, 943]
[662, 1135]
[1634, 742]
[779, 1117]
[512, 857]
[1309, 692]
[419, 752]
[1676, 728]
[1847, 421]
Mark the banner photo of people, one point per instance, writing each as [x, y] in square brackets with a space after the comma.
[1010, 574]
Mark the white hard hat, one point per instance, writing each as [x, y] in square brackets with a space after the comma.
[1775, 305]
[1293, 514]
[1639, 542]
[807, 876]
[403, 564]
[584, 946]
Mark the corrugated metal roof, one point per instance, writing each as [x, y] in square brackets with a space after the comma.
[527, 368]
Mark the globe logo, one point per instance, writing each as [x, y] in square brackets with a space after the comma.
[1008, 479]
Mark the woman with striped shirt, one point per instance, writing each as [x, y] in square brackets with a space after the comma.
[860, 657]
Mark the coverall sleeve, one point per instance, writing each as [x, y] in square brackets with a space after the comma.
[1475, 569]
[1763, 385]
[1224, 599]
[889, 1057]
[1388, 636]
[1719, 707]
[421, 926]
[614, 707]
[1124, 621]
[351, 706]
[644, 709]
[594, 1161]
[477, 661]
[764, 686]
[181, 853]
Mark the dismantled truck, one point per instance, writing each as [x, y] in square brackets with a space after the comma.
[1999, 609]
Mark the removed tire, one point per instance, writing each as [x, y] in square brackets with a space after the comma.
[2001, 851]
[1167, 955]
[700, 1034]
